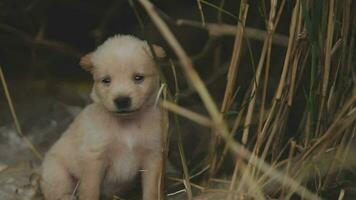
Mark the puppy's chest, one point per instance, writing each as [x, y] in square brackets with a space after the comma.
[135, 138]
[124, 159]
[127, 154]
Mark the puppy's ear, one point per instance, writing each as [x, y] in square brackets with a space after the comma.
[159, 51]
[85, 62]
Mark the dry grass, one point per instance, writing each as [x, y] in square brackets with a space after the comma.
[260, 164]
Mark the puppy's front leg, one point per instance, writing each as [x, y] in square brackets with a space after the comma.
[92, 175]
[152, 169]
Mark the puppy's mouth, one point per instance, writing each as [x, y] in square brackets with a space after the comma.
[126, 112]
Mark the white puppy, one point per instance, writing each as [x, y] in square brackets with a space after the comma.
[116, 136]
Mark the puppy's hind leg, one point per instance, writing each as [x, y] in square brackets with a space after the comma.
[56, 183]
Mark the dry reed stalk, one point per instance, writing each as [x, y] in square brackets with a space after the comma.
[256, 81]
[279, 121]
[52, 44]
[294, 77]
[236, 124]
[271, 25]
[290, 157]
[191, 177]
[226, 29]
[271, 29]
[264, 178]
[29, 144]
[200, 8]
[231, 80]
[327, 63]
[253, 189]
[186, 181]
[234, 63]
[202, 120]
[166, 95]
[264, 92]
[165, 145]
[232, 184]
[182, 182]
[346, 23]
[330, 136]
[221, 7]
[343, 121]
[281, 84]
[220, 181]
[348, 146]
[341, 195]
[290, 48]
[209, 103]
[176, 85]
[340, 153]
[299, 48]
[134, 8]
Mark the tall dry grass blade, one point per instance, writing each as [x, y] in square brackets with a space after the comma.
[235, 126]
[16, 121]
[186, 181]
[181, 181]
[348, 147]
[279, 121]
[256, 82]
[289, 161]
[234, 63]
[202, 120]
[219, 9]
[271, 27]
[219, 15]
[327, 63]
[288, 55]
[341, 195]
[226, 29]
[294, 77]
[283, 76]
[264, 93]
[343, 121]
[234, 179]
[201, 12]
[248, 183]
[231, 80]
[165, 145]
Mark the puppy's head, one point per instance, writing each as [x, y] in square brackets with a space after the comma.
[125, 77]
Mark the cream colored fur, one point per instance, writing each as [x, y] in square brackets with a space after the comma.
[104, 149]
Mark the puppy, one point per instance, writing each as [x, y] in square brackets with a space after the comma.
[116, 136]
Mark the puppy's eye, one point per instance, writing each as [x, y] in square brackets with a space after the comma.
[138, 78]
[106, 80]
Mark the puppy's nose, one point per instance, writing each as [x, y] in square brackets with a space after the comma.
[122, 102]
